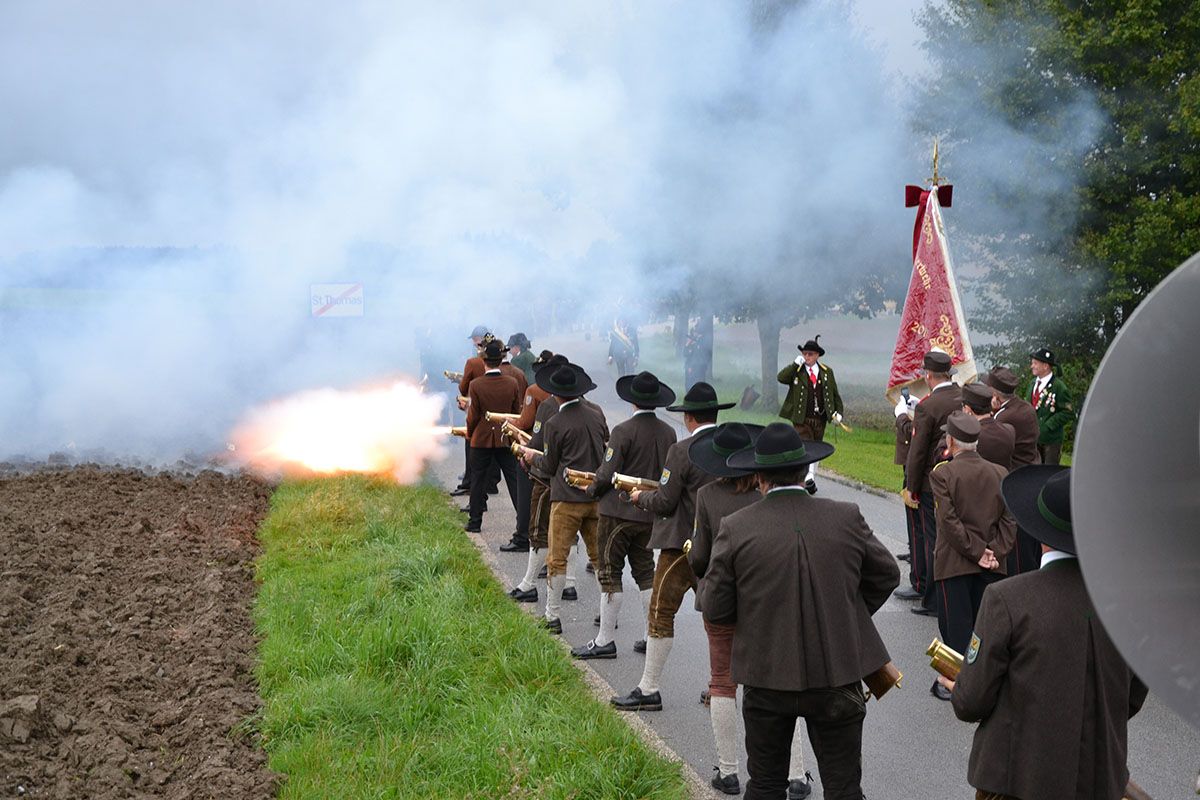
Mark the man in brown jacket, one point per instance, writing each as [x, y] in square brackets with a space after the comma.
[975, 532]
[638, 447]
[923, 453]
[1007, 407]
[674, 505]
[492, 391]
[573, 439]
[800, 577]
[1050, 691]
[996, 439]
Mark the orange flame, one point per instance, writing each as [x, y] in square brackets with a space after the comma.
[386, 429]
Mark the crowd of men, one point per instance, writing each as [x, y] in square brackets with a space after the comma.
[788, 582]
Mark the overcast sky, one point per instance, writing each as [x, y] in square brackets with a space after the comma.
[891, 22]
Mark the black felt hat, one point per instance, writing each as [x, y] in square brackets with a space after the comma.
[962, 426]
[937, 361]
[1044, 355]
[709, 450]
[645, 390]
[493, 352]
[977, 397]
[1039, 496]
[1002, 380]
[564, 380]
[779, 447]
[813, 346]
[701, 397]
[543, 359]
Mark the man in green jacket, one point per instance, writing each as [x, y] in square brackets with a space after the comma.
[519, 347]
[812, 399]
[1051, 398]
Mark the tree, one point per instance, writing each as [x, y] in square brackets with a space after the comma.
[1092, 112]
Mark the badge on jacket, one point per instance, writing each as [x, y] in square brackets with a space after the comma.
[537, 426]
[973, 650]
[666, 476]
[608, 454]
[528, 399]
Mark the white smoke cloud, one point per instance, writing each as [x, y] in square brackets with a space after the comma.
[175, 176]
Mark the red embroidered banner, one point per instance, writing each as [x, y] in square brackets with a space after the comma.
[933, 317]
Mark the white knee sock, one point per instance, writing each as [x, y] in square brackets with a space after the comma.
[645, 596]
[572, 564]
[610, 607]
[723, 711]
[554, 596]
[536, 560]
[796, 765]
[657, 651]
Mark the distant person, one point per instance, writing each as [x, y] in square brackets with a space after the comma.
[799, 577]
[521, 355]
[812, 400]
[1007, 407]
[1051, 399]
[996, 439]
[924, 452]
[492, 391]
[638, 447]
[623, 349]
[697, 357]
[1049, 690]
[473, 368]
[975, 532]
[673, 504]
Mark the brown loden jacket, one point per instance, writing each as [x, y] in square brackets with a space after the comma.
[1023, 419]
[1050, 692]
[573, 437]
[534, 397]
[971, 515]
[471, 370]
[925, 449]
[674, 501]
[996, 442]
[638, 447]
[517, 374]
[492, 391]
[714, 502]
[800, 576]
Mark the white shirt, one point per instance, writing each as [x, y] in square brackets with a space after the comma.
[787, 488]
[569, 402]
[704, 427]
[1055, 555]
[813, 372]
[495, 371]
[940, 386]
[1039, 385]
[642, 411]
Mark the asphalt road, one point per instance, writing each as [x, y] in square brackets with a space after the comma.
[913, 745]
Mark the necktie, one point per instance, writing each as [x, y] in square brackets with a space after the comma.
[812, 375]
[1037, 391]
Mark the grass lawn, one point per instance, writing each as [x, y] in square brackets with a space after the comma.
[393, 665]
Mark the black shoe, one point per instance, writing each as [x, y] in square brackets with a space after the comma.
[542, 572]
[939, 691]
[459, 491]
[514, 547]
[523, 596]
[569, 593]
[467, 509]
[552, 625]
[800, 789]
[636, 701]
[639, 646]
[811, 486]
[589, 568]
[705, 698]
[473, 527]
[923, 611]
[908, 593]
[904, 557]
[593, 650]
[728, 784]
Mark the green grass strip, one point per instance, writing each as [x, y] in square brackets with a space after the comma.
[393, 665]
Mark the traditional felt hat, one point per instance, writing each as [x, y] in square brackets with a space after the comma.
[1002, 380]
[478, 332]
[1043, 354]
[962, 426]
[709, 450]
[645, 390]
[1039, 496]
[812, 346]
[978, 397]
[564, 380]
[493, 352]
[937, 361]
[519, 340]
[701, 397]
[542, 360]
[779, 447]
